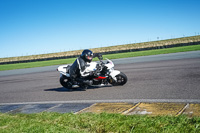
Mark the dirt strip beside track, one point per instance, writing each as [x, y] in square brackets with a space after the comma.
[153, 109]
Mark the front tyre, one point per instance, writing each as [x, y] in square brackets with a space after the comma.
[65, 82]
[121, 79]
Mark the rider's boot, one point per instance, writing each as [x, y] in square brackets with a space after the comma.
[74, 83]
[84, 83]
[84, 87]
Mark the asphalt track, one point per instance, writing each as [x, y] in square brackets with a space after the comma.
[158, 78]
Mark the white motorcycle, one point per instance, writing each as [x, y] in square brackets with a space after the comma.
[102, 74]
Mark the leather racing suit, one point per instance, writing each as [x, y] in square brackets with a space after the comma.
[78, 70]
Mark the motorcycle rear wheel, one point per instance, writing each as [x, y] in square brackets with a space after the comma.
[121, 79]
[65, 82]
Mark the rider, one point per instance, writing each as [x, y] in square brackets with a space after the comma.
[78, 69]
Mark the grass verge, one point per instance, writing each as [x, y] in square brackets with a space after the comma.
[159, 43]
[110, 56]
[96, 123]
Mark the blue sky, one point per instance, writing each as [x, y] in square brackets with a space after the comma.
[30, 27]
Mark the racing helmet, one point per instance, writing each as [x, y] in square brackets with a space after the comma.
[87, 55]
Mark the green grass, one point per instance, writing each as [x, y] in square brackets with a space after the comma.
[110, 56]
[154, 52]
[96, 123]
[158, 43]
[35, 64]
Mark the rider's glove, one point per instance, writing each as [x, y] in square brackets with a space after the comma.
[98, 55]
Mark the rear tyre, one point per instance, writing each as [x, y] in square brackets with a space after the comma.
[121, 79]
[65, 82]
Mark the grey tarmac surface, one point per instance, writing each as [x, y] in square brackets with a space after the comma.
[172, 56]
[161, 78]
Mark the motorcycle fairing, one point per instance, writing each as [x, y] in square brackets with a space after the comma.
[63, 70]
[114, 73]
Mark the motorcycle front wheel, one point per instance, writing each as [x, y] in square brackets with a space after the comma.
[121, 79]
[65, 82]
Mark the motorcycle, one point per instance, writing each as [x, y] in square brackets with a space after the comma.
[102, 74]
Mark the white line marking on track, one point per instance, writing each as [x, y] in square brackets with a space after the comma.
[110, 101]
[182, 110]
